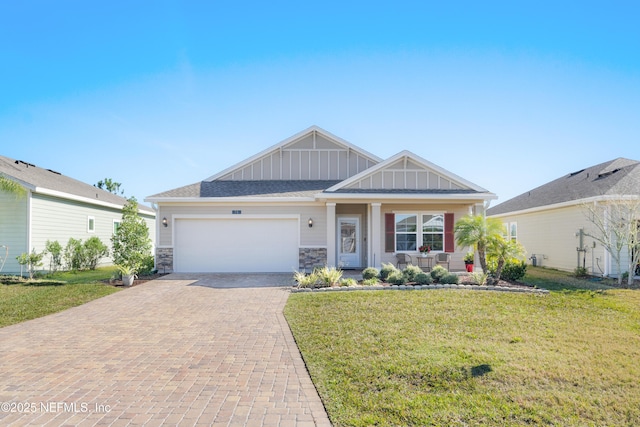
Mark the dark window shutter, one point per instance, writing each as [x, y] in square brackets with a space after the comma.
[449, 242]
[389, 232]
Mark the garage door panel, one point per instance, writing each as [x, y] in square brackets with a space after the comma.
[236, 245]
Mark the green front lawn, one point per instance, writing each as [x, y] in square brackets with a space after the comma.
[452, 357]
[23, 300]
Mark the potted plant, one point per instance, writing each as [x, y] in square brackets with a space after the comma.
[424, 250]
[128, 274]
[468, 261]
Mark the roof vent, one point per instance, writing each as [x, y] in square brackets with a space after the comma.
[52, 171]
[576, 173]
[25, 163]
[607, 173]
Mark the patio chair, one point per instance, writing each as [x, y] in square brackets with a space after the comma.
[443, 258]
[403, 259]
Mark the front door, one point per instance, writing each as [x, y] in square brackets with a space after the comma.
[348, 242]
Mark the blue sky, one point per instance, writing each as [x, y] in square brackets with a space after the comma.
[156, 95]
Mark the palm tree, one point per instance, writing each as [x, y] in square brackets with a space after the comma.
[479, 232]
[504, 250]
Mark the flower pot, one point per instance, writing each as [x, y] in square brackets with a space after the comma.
[469, 268]
[127, 279]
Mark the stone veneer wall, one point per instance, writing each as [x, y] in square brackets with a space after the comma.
[309, 258]
[164, 260]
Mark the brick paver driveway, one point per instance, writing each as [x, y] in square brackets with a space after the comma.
[183, 350]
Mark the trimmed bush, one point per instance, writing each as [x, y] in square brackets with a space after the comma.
[410, 272]
[386, 270]
[423, 278]
[437, 273]
[348, 281]
[397, 278]
[370, 282]
[513, 270]
[370, 273]
[94, 249]
[449, 278]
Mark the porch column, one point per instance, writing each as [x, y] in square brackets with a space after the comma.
[376, 242]
[331, 234]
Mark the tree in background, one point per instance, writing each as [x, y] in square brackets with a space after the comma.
[615, 227]
[111, 186]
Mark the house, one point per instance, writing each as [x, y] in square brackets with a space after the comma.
[56, 208]
[552, 221]
[313, 199]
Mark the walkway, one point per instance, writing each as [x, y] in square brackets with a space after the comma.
[184, 350]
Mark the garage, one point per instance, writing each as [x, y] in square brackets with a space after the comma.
[229, 245]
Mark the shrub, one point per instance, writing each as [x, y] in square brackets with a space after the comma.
[449, 278]
[370, 273]
[397, 278]
[54, 249]
[410, 272]
[148, 266]
[422, 278]
[305, 280]
[579, 272]
[348, 281]
[437, 272]
[513, 270]
[479, 278]
[328, 276]
[74, 255]
[93, 250]
[386, 270]
[370, 282]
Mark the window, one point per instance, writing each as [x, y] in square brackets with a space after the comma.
[116, 225]
[510, 231]
[433, 231]
[409, 237]
[91, 224]
[513, 231]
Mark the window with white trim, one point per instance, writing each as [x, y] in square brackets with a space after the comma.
[414, 230]
[116, 225]
[510, 231]
[91, 224]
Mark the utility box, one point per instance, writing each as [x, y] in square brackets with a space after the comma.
[536, 260]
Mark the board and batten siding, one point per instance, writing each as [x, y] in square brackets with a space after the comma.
[315, 236]
[13, 230]
[59, 219]
[553, 233]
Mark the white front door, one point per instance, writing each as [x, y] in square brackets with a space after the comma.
[348, 241]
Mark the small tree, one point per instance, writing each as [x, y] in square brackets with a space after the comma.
[131, 242]
[503, 250]
[31, 261]
[74, 255]
[94, 249]
[615, 223]
[54, 249]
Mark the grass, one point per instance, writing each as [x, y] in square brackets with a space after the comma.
[450, 357]
[25, 300]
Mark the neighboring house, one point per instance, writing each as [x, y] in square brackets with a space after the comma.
[55, 207]
[551, 221]
[313, 200]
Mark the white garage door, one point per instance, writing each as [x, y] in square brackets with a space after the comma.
[236, 245]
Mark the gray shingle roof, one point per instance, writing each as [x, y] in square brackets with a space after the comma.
[38, 177]
[616, 177]
[274, 188]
